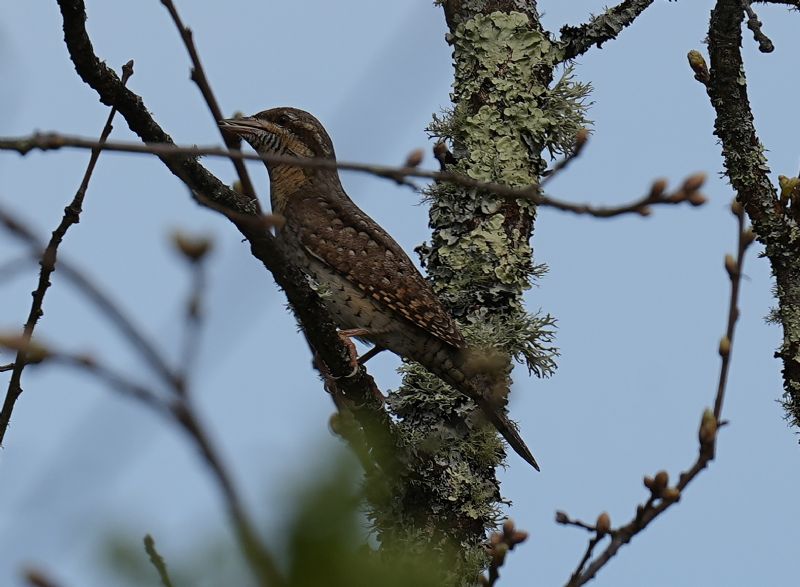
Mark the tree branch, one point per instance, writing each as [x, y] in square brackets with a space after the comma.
[662, 496]
[198, 76]
[311, 313]
[657, 194]
[48, 264]
[578, 40]
[774, 221]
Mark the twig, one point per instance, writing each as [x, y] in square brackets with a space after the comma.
[50, 141]
[662, 496]
[563, 519]
[198, 76]
[580, 142]
[575, 41]
[48, 264]
[37, 578]
[308, 308]
[157, 560]
[195, 251]
[180, 411]
[110, 309]
[765, 45]
[500, 544]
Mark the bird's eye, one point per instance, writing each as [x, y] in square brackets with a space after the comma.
[283, 119]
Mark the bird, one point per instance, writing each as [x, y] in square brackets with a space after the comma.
[372, 289]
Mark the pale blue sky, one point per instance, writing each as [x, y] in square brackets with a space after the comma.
[641, 303]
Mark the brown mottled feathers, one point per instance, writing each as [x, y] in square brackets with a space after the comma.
[343, 237]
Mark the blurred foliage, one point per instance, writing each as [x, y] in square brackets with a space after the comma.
[326, 542]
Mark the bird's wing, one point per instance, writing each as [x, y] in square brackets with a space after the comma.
[342, 236]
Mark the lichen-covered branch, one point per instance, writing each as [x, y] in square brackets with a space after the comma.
[577, 40]
[775, 222]
[505, 115]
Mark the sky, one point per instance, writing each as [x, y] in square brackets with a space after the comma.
[641, 302]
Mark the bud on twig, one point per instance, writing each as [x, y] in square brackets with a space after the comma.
[708, 428]
[697, 199]
[657, 189]
[603, 525]
[414, 158]
[730, 266]
[698, 64]
[671, 494]
[724, 346]
[737, 208]
[694, 182]
[193, 248]
[660, 482]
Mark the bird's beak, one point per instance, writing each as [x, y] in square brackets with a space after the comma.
[240, 126]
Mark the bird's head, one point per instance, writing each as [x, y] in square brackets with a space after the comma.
[289, 132]
[282, 131]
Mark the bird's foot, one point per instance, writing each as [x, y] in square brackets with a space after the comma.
[346, 336]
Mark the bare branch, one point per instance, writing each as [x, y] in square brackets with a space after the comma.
[774, 220]
[48, 264]
[309, 309]
[50, 141]
[500, 544]
[662, 495]
[198, 76]
[765, 45]
[107, 307]
[180, 411]
[195, 251]
[578, 40]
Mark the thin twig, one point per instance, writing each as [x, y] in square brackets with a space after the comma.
[500, 544]
[49, 141]
[107, 306]
[198, 76]
[180, 411]
[765, 45]
[48, 264]
[37, 578]
[195, 252]
[157, 560]
[560, 166]
[662, 495]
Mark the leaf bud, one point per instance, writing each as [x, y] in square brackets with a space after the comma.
[671, 494]
[660, 482]
[603, 525]
[724, 346]
[414, 158]
[730, 266]
[708, 428]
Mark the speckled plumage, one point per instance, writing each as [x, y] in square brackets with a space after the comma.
[370, 283]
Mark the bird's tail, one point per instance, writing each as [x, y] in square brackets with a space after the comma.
[507, 428]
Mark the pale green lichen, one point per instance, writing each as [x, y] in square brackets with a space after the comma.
[507, 113]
